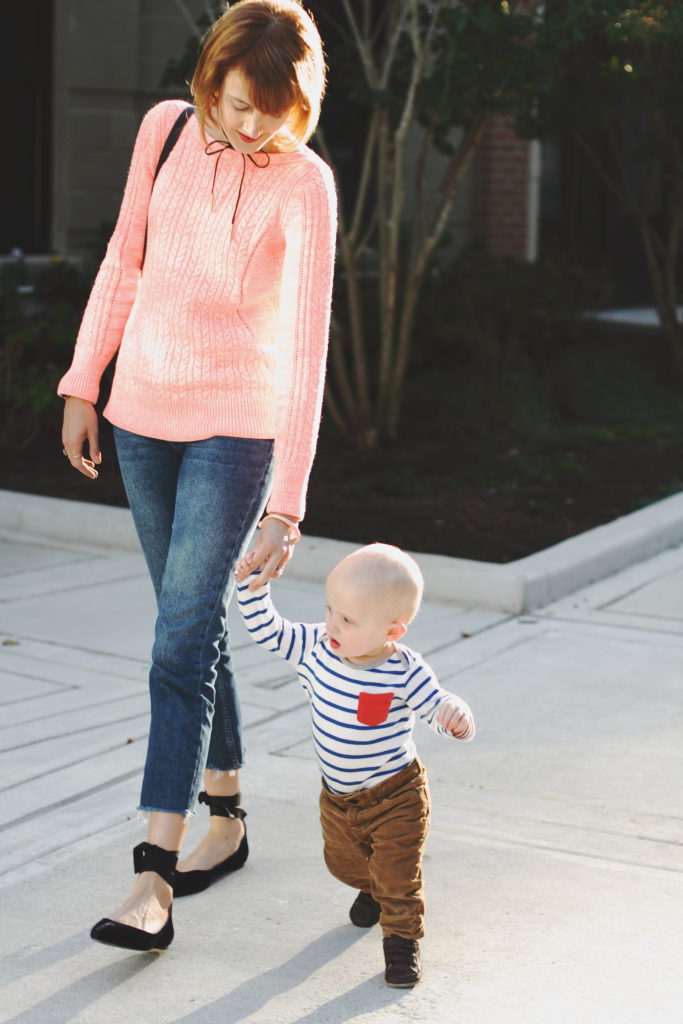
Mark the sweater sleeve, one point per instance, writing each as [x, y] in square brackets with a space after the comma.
[424, 696]
[289, 640]
[115, 286]
[309, 220]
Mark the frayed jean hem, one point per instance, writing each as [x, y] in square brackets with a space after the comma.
[144, 813]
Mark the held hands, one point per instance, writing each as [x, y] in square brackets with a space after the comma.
[273, 549]
[456, 719]
[80, 424]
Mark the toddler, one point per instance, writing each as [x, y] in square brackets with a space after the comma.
[365, 689]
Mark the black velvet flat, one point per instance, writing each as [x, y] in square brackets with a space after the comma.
[113, 933]
[146, 857]
[187, 883]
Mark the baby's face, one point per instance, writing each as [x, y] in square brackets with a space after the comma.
[358, 627]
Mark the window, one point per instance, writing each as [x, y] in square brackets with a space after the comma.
[26, 75]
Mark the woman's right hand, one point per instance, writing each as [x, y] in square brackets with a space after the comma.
[270, 554]
[80, 424]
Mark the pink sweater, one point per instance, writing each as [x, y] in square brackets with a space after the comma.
[226, 331]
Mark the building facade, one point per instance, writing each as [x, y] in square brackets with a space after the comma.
[81, 74]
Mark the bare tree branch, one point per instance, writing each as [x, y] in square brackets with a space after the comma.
[363, 243]
[354, 303]
[365, 174]
[362, 46]
[341, 375]
[392, 45]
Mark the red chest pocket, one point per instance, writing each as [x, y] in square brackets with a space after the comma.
[373, 708]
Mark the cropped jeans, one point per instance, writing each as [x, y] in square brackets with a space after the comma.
[195, 505]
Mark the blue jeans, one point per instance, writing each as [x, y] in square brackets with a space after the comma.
[195, 505]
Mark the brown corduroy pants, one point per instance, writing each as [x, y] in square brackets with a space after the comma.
[374, 840]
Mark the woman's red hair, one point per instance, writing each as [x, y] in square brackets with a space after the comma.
[276, 46]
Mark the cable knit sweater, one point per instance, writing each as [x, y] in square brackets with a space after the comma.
[225, 332]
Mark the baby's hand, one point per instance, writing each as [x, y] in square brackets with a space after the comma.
[243, 567]
[457, 720]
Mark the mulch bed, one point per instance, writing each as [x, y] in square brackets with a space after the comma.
[480, 499]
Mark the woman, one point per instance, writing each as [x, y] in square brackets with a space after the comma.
[215, 403]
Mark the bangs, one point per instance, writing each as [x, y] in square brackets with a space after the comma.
[271, 86]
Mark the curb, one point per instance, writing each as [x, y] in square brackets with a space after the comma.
[514, 587]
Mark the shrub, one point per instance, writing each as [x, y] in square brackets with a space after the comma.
[500, 334]
[39, 316]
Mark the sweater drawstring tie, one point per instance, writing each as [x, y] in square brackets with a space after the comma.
[216, 148]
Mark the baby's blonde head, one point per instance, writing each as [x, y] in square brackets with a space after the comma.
[385, 575]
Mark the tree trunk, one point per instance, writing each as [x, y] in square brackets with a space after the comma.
[450, 186]
[663, 279]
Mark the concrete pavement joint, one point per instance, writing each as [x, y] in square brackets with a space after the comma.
[617, 627]
[272, 717]
[51, 716]
[29, 638]
[596, 860]
[64, 767]
[89, 729]
[36, 696]
[76, 798]
[566, 801]
[590, 830]
[476, 632]
[67, 588]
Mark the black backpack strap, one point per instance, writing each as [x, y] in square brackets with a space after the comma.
[171, 139]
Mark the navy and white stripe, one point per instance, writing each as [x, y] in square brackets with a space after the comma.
[352, 755]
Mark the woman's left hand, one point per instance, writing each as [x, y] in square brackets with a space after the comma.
[273, 549]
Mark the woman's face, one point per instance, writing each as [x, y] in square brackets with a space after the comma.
[246, 128]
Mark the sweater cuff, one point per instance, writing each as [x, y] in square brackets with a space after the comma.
[79, 385]
[288, 495]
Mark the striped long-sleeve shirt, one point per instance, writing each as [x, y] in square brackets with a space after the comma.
[362, 718]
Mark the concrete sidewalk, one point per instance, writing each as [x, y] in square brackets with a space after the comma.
[554, 867]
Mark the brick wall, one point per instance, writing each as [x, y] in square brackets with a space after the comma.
[502, 175]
